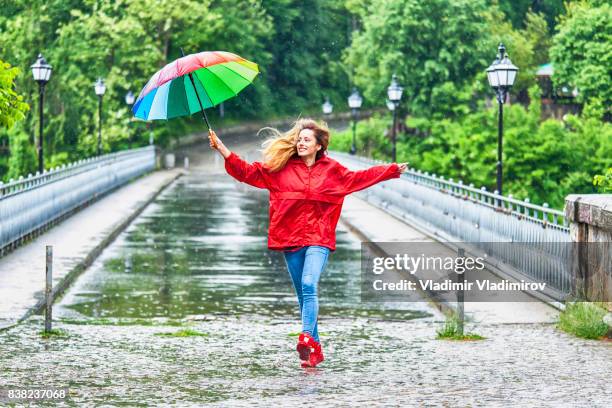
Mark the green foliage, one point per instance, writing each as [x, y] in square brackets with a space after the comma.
[23, 159]
[306, 46]
[430, 45]
[516, 10]
[582, 51]
[12, 107]
[583, 319]
[604, 182]
[371, 138]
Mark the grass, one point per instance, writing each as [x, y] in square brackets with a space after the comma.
[583, 319]
[59, 333]
[183, 333]
[450, 330]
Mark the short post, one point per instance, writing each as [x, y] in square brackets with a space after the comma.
[48, 287]
[460, 297]
[186, 163]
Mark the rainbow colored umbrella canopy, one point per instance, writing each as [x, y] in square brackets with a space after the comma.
[216, 75]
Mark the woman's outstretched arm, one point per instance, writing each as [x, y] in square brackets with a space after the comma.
[236, 167]
[358, 180]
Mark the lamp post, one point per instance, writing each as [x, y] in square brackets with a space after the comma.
[100, 88]
[354, 101]
[501, 75]
[327, 107]
[394, 93]
[41, 72]
[129, 100]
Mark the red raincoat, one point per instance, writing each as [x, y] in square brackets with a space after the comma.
[305, 202]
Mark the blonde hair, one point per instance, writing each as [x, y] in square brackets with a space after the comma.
[280, 147]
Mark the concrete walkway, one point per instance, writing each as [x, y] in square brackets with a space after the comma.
[76, 243]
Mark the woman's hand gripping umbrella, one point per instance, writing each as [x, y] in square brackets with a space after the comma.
[194, 83]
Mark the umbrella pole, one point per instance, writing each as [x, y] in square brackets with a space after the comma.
[200, 102]
[198, 96]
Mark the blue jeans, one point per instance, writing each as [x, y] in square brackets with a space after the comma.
[305, 266]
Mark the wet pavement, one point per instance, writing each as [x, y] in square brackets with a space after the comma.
[196, 261]
[75, 241]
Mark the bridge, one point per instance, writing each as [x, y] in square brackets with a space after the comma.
[139, 255]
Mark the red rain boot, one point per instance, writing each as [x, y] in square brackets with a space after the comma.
[305, 346]
[316, 356]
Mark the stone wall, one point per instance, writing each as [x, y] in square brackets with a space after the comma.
[590, 218]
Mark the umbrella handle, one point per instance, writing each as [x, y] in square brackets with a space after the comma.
[213, 139]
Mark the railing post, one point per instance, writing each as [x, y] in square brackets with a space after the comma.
[460, 297]
[48, 289]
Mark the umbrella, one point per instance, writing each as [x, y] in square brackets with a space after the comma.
[193, 83]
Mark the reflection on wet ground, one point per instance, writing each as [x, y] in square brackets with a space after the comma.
[196, 259]
[201, 249]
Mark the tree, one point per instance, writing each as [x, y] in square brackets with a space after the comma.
[12, 110]
[12, 107]
[308, 40]
[582, 51]
[23, 160]
[517, 10]
[428, 44]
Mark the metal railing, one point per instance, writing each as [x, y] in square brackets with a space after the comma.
[455, 212]
[30, 204]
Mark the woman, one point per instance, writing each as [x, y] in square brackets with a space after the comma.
[307, 189]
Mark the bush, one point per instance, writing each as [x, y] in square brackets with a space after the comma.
[604, 182]
[583, 319]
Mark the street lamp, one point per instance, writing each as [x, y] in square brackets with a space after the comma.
[394, 93]
[41, 72]
[100, 88]
[327, 107]
[129, 100]
[501, 75]
[354, 102]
